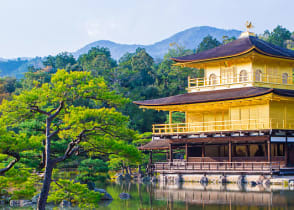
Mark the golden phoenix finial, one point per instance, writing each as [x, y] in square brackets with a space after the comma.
[248, 25]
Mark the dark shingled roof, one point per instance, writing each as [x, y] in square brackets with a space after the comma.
[155, 144]
[239, 47]
[212, 96]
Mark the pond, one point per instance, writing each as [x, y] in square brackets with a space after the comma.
[196, 196]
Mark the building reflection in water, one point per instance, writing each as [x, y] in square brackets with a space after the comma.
[230, 194]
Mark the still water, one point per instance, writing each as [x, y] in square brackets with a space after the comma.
[196, 196]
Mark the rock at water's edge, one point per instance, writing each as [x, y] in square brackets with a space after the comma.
[35, 198]
[20, 203]
[124, 196]
[106, 195]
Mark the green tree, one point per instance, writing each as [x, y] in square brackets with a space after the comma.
[91, 170]
[207, 43]
[14, 145]
[279, 36]
[76, 193]
[96, 128]
[98, 61]
[60, 61]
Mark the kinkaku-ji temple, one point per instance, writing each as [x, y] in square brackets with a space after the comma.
[239, 118]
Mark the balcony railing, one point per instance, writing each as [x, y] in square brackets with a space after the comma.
[225, 167]
[226, 125]
[275, 81]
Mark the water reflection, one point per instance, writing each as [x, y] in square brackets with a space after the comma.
[184, 196]
[197, 196]
[232, 194]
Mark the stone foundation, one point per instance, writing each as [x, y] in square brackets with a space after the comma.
[221, 179]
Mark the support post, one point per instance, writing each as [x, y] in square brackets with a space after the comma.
[170, 118]
[230, 151]
[186, 150]
[269, 151]
[150, 157]
[286, 151]
[248, 150]
[170, 153]
[203, 151]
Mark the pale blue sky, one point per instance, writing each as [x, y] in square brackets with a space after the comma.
[41, 27]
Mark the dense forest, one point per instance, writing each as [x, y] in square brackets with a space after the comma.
[78, 114]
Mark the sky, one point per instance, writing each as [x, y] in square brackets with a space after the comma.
[30, 28]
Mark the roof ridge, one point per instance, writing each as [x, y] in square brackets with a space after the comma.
[249, 37]
[272, 46]
[236, 48]
[211, 96]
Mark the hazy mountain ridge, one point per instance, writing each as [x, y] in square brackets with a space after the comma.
[17, 67]
[189, 38]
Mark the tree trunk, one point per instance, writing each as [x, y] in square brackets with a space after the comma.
[46, 187]
[139, 169]
[43, 161]
[48, 170]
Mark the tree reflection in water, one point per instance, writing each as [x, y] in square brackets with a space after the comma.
[197, 196]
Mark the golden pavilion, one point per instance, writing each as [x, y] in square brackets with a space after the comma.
[239, 118]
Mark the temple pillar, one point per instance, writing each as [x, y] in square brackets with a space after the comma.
[230, 151]
[286, 151]
[170, 153]
[203, 150]
[170, 117]
[248, 150]
[269, 151]
[150, 157]
[186, 151]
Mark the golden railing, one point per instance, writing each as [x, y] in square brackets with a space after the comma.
[250, 78]
[227, 125]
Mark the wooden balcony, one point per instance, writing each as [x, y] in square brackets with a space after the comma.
[261, 80]
[217, 167]
[221, 126]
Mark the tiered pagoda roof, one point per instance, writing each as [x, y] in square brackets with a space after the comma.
[213, 96]
[238, 47]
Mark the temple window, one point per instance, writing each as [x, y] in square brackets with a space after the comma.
[285, 78]
[258, 75]
[243, 76]
[212, 79]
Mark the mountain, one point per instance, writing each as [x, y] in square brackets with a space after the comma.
[189, 39]
[17, 67]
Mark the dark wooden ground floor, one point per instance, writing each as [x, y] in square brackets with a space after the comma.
[222, 154]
